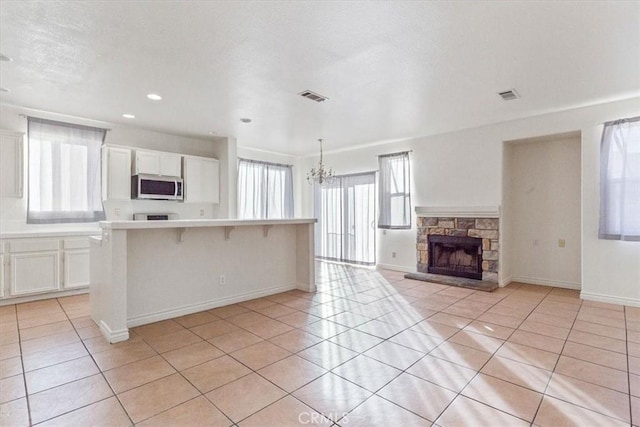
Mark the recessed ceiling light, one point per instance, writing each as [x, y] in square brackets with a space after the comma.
[128, 116]
[245, 120]
[5, 58]
[154, 97]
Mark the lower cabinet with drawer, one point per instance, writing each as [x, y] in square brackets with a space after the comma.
[41, 265]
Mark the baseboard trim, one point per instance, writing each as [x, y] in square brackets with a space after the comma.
[207, 305]
[113, 336]
[545, 282]
[8, 300]
[631, 302]
[394, 267]
[504, 282]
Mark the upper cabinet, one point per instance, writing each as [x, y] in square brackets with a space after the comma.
[157, 163]
[201, 180]
[11, 163]
[116, 173]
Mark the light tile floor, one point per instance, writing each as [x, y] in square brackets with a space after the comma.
[368, 349]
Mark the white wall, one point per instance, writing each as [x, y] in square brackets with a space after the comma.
[13, 211]
[541, 205]
[464, 168]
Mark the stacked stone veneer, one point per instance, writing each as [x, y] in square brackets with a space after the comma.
[485, 228]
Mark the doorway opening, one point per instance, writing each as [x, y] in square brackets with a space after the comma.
[345, 208]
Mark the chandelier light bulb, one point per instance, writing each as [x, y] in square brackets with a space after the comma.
[320, 173]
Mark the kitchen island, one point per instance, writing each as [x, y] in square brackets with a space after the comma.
[145, 271]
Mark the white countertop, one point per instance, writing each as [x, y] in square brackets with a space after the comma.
[49, 233]
[190, 223]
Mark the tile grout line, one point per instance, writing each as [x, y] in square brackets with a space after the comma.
[345, 309]
[553, 371]
[24, 374]
[99, 369]
[483, 365]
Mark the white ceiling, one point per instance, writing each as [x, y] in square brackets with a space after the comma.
[391, 70]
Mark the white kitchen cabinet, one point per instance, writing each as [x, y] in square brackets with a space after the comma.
[75, 263]
[201, 180]
[157, 163]
[11, 163]
[170, 164]
[39, 265]
[116, 173]
[35, 266]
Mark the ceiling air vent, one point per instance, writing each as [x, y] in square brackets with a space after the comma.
[509, 95]
[313, 96]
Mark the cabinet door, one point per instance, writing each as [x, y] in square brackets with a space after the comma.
[210, 181]
[170, 164]
[147, 162]
[11, 163]
[201, 180]
[116, 173]
[76, 268]
[192, 179]
[33, 272]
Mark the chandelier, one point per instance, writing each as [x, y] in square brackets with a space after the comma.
[320, 173]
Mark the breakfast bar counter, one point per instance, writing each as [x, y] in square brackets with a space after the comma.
[145, 271]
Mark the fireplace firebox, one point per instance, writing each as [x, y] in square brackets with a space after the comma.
[455, 256]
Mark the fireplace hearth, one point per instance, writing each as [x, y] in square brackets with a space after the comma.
[455, 256]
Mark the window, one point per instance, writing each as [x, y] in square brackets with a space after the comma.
[395, 199]
[64, 172]
[265, 190]
[620, 180]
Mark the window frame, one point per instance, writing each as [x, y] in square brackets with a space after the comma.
[385, 198]
[264, 208]
[611, 219]
[58, 185]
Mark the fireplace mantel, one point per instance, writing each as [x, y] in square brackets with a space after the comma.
[458, 211]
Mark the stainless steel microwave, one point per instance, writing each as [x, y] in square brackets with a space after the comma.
[156, 187]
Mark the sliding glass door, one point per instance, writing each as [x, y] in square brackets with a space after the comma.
[345, 209]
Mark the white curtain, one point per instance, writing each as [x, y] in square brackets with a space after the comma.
[395, 198]
[345, 208]
[620, 180]
[265, 190]
[64, 172]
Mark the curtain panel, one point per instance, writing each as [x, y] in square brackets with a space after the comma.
[265, 190]
[394, 210]
[64, 172]
[620, 180]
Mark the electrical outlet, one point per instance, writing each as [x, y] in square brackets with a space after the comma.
[561, 243]
[118, 212]
[201, 212]
[223, 280]
[393, 254]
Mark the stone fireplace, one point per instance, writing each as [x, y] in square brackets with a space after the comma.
[461, 242]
